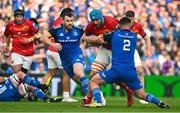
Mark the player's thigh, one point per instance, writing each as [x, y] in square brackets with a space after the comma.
[68, 68]
[78, 69]
[103, 57]
[109, 76]
[27, 62]
[137, 59]
[53, 60]
[131, 79]
[16, 62]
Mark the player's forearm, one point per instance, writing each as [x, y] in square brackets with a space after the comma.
[148, 42]
[6, 40]
[45, 40]
[92, 39]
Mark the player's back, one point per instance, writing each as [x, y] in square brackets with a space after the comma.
[123, 47]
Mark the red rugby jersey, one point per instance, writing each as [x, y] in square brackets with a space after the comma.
[137, 28]
[18, 32]
[110, 24]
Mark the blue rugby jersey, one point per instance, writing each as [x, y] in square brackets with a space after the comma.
[70, 41]
[123, 44]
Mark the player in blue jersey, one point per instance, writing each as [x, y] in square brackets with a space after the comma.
[16, 86]
[123, 44]
[71, 54]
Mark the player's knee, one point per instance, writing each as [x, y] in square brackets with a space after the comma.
[140, 70]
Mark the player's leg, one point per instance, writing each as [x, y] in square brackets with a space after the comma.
[134, 83]
[16, 62]
[29, 80]
[139, 70]
[78, 69]
[101, 61]
[54, 61]
[66, 87]
[40, 94]
[140, 93]
[95, 82]
[48, 76]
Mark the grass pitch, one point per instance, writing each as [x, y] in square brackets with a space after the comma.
[114, 104]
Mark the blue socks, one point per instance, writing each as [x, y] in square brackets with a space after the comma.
[151, 98]
[97, 94]
[38, 93]
[84, 84]
[30, 81]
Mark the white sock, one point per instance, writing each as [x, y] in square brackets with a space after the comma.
[66, 95]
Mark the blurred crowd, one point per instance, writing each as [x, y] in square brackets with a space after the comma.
[159, 18]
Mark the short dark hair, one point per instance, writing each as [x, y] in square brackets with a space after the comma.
[67, 12]
[124, 20]
[19, 12]
[130, 13]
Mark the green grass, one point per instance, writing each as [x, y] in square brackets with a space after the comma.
[114, 104]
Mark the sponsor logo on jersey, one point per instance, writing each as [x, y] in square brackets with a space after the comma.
[75, 33]
[61, 34]
[25, 28]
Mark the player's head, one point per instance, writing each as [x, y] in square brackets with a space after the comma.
[97, 18]
[125, 23]
[19, 16]
[67, 14]
[130, 14]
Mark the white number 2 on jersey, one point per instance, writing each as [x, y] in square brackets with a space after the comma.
[127, 44]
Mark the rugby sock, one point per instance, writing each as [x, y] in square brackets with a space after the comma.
[151, 98]
[29, 80]
[66, 95]
[84, 84]
[38, 93]
[97, 94]
[48, 82]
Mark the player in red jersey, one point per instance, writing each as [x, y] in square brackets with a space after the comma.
[23, 33]
[137, 28]
[99, 25]
[54, 63]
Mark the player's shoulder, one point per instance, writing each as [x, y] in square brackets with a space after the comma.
[10, 23]
[137, 24]
[90, 25]
[78, 27]
[110, 18]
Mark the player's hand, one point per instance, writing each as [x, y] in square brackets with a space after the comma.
[101, 39]
[57, 46]
[148, 53]
[6, 50]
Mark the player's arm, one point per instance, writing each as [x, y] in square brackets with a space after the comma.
[148, 46]
[93, 39]
[108, 37]
[147, 41]
[46, 40]
[7, 40]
